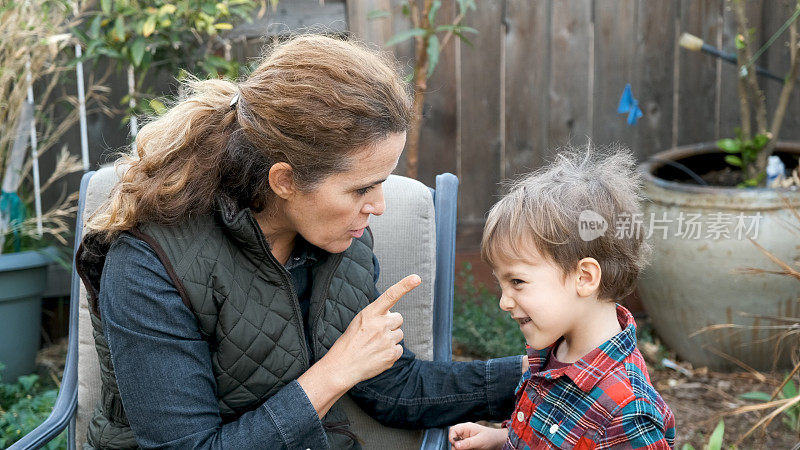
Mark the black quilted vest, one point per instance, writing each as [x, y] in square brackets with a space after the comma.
[246, 309]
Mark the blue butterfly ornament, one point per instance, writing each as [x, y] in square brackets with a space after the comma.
[629, 105]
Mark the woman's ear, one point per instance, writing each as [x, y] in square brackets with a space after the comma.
[588, 277]
[281, 180]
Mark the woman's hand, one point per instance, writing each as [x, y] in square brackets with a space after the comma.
[371, 343]
[369, 346]
[471, 435]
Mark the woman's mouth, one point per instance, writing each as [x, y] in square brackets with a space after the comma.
[522, 320]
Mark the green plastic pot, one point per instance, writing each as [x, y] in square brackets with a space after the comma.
[23, 279]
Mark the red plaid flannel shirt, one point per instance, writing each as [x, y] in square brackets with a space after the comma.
[602, 401]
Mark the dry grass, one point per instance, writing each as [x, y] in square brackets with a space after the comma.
[36, 40]
[788, 328]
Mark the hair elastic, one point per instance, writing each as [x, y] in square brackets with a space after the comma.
[234, 101]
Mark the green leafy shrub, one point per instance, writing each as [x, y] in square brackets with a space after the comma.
[162, 33]
[177, 38]
[24, 405]
[480, 328]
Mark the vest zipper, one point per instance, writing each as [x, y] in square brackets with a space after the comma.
[287, 284]
[318, 305]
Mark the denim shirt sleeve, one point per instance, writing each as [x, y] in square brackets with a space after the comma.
[415, 393]
[163, 367]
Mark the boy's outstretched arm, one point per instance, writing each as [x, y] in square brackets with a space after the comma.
[473, 436]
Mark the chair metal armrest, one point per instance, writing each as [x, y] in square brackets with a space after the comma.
[434, 439]
[445, 201]
[63, 413]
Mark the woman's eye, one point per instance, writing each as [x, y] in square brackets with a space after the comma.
[364, 190]
[516, 281]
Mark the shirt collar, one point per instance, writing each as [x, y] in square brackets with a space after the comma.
[589, 370]
[303, 254]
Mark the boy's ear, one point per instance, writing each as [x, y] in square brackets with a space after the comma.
[588, 277]
[281, 180]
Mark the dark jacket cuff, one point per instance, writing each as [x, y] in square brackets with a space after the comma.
[502, 377]
[296, 419]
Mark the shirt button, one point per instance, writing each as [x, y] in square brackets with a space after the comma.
[553, 428]
[520, 416]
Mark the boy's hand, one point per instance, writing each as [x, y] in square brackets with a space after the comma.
[471, 435]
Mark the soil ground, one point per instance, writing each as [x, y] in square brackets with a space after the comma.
[700, 400]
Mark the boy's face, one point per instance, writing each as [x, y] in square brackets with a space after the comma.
[539, 298]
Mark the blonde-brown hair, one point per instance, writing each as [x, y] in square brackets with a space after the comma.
[544, 211]
[312, 102]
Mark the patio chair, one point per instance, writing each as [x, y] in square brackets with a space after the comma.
[415, 235]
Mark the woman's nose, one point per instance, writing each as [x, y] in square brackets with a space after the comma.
[375, 204]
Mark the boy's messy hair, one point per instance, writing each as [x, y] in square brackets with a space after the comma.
[545, 210]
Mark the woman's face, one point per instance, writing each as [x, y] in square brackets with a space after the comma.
[338, 210]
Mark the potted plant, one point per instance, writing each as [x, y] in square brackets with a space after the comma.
[33, 59]
[704, 204]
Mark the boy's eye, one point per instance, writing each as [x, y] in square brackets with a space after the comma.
[364, 190]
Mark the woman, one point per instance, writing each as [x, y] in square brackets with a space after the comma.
[231, 274]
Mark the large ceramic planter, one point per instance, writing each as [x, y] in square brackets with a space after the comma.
[23, 278]
[694, 280]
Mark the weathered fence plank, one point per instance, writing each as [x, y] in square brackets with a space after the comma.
[376, 31]
[570, 72]
[615, 33]
[437, 150]
[527, 50]
[654, 75]
[697, 96]
[480, 115]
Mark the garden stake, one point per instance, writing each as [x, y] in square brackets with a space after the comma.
[81, 102]
[132, 105]
[695, 44]
[37, 195]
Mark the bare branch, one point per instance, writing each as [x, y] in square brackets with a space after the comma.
[415, 19]
[752, 82]
[784, 405]
[449, 33]
[420, 86]
[777, 260]
[789, 82]
[785, 382]
[741, 82]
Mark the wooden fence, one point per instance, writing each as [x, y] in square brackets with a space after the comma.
[544, 73]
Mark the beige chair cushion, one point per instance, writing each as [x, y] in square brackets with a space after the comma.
[88, 367]
[405, 243]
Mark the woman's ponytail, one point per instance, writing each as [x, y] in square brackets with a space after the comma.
[176, 169]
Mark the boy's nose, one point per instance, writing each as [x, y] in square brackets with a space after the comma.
[506, 304]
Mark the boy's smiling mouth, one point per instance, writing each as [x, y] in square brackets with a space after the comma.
[522, 320]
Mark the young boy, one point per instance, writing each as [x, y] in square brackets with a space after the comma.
[561, 265]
